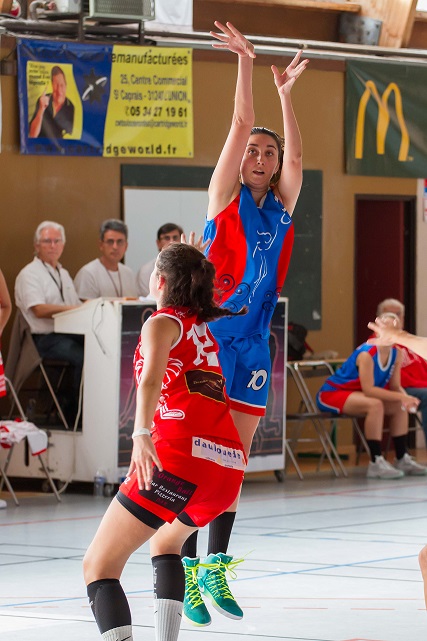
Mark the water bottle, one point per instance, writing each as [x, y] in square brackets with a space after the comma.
[99, 483]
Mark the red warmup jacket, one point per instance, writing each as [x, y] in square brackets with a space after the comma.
[413, 370]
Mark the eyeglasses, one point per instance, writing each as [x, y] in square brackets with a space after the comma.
[110, 242]
[51, 241]
[175, 237]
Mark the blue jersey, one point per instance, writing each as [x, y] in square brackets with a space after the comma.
[251, 248]
[346, 378]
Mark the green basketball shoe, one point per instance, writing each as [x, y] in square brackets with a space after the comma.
[213, 584]
[194, 609]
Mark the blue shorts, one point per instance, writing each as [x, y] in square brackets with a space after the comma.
[246, 365]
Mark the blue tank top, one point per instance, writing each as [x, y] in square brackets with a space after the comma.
[347, 376]
[251, 248]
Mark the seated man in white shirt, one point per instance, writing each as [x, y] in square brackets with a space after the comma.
[44, 288]
[106, 275]
[166, 234]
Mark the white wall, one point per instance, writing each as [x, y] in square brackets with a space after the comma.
[173, 12]
[145, 210]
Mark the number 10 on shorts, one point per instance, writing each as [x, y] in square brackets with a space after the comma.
[258, 380]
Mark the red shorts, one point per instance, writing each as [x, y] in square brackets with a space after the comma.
[333, 401]
[197, 487]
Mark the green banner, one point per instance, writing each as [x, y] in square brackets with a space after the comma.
[386, 119]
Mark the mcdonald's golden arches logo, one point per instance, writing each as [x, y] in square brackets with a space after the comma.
[383, 119]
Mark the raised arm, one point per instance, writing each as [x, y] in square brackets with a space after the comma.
[225, 178]
[290, 181]
[36, 123]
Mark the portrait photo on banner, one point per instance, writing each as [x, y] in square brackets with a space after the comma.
[54, 104]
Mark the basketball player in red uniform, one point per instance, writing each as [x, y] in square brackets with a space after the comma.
[187, 459]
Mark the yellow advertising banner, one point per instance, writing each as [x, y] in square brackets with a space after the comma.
[150, 108]
[104, 100]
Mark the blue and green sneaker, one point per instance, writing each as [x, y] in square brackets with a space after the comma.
[194, 609]
[213, 584]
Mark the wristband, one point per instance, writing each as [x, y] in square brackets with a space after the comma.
[141, 432]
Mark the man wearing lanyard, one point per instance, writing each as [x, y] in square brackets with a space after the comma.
[44, 288]
[106, 275]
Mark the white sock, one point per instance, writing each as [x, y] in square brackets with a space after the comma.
[167, 619]
[124, 633]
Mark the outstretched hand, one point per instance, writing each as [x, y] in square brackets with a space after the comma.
[286, 80]
[198, 244]
[386, 334]
[233, 40]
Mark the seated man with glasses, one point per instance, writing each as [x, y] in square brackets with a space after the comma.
[106, 275]
[166, 234]
[44, 288]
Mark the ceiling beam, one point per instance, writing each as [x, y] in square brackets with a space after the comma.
[397, 17]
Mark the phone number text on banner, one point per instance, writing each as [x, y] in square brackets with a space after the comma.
[111, 101]
[150, 107]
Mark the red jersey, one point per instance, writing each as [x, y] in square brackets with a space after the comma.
[413, 372]
[193, 400]
[194, 435]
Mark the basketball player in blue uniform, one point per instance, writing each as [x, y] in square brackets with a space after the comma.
[252, 194]
[368, 383]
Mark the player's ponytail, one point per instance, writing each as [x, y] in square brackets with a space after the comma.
[189, 277]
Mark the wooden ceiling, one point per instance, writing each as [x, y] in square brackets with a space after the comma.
[401, 25]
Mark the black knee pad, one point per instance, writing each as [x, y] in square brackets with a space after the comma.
[168, 577]
[109, 604]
